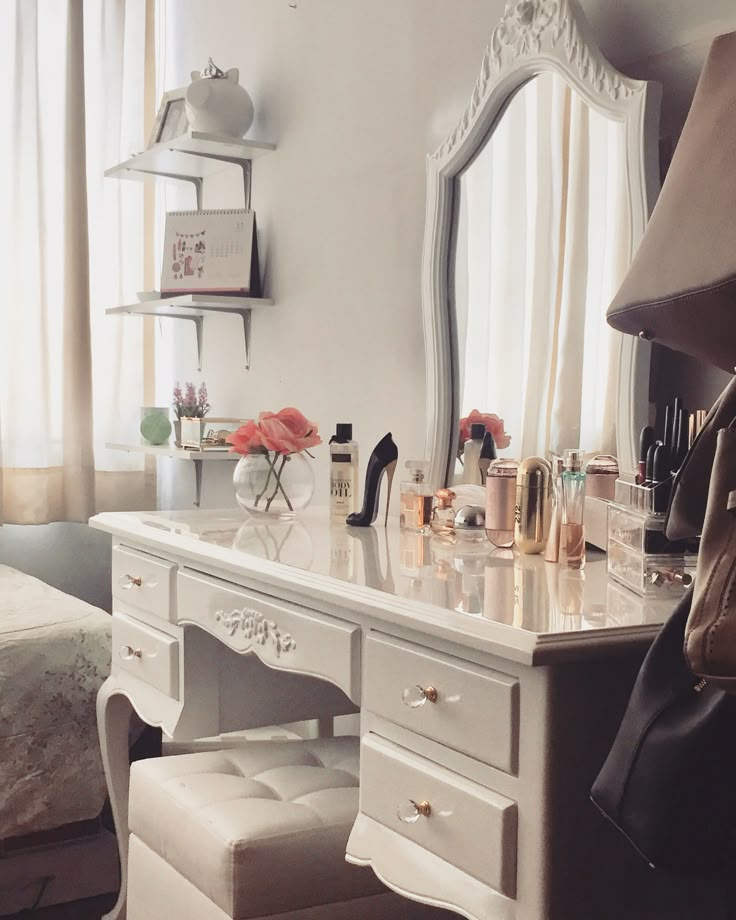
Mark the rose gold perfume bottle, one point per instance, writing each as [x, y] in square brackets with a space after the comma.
[416, 498]
[442, 522]
[500, 499]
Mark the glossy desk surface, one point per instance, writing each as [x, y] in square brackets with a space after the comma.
[473, 594]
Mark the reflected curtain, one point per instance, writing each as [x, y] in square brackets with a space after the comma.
[547, 245]
[70, 378]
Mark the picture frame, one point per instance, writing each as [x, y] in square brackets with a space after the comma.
[171, 119]
[208, 433]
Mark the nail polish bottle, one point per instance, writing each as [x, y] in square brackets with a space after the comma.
[343, 472]
[416, 498]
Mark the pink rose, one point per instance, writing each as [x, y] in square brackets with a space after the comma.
[287, 431]
[245, 438]
[493, 423]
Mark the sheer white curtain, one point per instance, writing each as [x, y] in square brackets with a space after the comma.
[71, 379]
[544, 249]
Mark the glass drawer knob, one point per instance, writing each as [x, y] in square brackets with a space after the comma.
[128, 653]
[417, 696]
[410, 812]
[130, 581]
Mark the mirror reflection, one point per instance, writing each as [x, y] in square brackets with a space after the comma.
[541, 241]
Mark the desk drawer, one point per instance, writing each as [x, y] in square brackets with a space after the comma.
[473, 710]
[281, 634]
[146, 653]
[463, 823]
[144, 581]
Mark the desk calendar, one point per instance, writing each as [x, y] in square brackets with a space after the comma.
[211, 252]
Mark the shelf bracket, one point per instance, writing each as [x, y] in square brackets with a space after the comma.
[199, 328]
[195, 180]
[245, 165]
[245, 316]
[197, 481]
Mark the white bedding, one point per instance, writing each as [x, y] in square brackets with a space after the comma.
[54, 654]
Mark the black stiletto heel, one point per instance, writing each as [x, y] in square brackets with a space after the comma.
[383, 460]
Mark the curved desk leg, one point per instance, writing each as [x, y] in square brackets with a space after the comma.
[114, 712]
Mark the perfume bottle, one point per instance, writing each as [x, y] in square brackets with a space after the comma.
[343, 471]
[572, 532]
[416, 498]
[552, 550]
[500, 499]
[442, 523]
[471, 455]
[532, 511]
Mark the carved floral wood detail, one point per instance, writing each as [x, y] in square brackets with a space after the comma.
[525, 29]
[256, 627]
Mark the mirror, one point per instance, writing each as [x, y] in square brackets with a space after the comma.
[535, 205]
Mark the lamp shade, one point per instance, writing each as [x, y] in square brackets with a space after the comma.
[681, 287]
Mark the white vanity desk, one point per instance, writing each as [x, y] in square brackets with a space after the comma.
[492, 721]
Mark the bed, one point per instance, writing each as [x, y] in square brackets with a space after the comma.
[54, 654]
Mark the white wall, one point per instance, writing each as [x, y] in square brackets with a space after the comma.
[355, 93]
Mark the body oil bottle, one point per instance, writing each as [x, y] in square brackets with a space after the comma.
[343, 472]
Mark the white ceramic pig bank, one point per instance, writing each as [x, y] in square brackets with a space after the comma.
[217, 104]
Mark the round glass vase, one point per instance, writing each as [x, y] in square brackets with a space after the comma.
[273, 484]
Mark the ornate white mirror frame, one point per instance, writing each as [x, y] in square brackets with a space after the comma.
[533, 37]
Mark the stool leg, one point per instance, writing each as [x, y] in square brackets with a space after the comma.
[114, 712]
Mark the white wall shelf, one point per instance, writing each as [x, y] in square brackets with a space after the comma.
[195, 308]
[197, 457]
[192, 157]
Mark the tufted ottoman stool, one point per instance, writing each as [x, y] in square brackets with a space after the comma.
[252, 832]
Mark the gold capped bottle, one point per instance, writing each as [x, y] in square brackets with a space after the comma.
[533, 505]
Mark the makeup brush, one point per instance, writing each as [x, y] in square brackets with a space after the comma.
[668, 420]
[649, 477]
[646, 439]
[487, 455]
[662, 478]
[682, 440]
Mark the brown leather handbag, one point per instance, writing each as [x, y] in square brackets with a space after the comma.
[710, 636]
[686, 513]
[681, 287]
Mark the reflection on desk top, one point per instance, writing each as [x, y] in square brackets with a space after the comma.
[495, 600]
